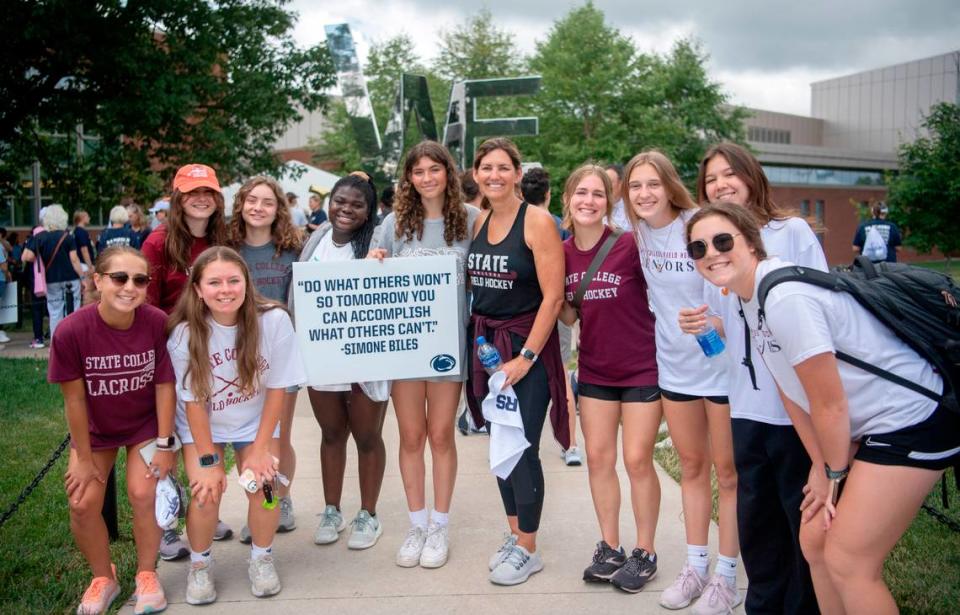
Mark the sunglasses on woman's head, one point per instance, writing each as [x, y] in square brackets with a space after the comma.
[140, 280]
[723, 242]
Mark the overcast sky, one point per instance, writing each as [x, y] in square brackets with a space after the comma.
[765, 53]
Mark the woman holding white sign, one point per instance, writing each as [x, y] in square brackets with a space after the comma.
[429, 219]
[356, 409]
[516, 273]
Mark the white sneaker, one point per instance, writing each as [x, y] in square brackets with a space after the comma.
[437, 547]
[263, 577]
[4, 338]
[502, 552]
[365, 531]
[200, 589]
[409, 554]
[331, 524]
[571, 456]
[516, 567]
[718, 598]
[686, 588]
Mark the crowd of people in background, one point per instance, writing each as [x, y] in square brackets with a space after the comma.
[192, 312]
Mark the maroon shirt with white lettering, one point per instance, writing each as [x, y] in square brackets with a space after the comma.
[617, 346]
[119, 370]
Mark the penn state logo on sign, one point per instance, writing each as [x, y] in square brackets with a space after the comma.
[443, 363]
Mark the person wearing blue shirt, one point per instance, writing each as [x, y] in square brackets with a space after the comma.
[889, 231]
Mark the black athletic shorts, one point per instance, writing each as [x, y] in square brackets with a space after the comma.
[933, 444]
[717, 399]
[622, 394]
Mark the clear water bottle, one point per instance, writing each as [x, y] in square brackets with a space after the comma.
[710, 341]
[489, 355]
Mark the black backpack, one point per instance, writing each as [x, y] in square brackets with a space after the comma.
[921, 306]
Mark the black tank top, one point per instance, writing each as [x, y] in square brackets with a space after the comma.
[503, 275]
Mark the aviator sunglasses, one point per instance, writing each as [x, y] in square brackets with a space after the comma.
[140, 280]
[723, 242]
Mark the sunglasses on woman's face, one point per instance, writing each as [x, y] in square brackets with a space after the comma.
[723, 242]
[140, 280]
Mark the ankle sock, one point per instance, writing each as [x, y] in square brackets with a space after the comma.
[441, 519]
[419, 518]
[727, 568]
[699, 558]
[200, 557]
[259, 552]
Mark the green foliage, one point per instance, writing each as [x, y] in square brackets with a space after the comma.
[160, 82]
[477, 49]
[924, 197]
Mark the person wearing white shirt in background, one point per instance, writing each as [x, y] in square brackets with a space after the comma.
[619, 217]
[299, 218]
[900, 441]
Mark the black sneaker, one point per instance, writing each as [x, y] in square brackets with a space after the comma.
[632, 576]
[606, 561]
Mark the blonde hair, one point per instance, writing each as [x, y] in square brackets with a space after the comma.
[677, 194]
[119, 215]
[578, 175]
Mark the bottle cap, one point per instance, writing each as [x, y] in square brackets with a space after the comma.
[481, 340]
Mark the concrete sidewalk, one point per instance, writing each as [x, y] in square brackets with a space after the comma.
[334, 579]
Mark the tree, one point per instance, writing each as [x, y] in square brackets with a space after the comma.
[159, 82]
[924, 197]
[477, 49]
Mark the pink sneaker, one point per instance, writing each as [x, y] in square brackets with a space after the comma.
[149, 593]
[686, 588]
[100, 594]
[718, 598]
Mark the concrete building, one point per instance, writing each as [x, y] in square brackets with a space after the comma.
[830, 166]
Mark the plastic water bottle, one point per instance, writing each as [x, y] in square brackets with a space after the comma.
[710, 341]
[489, 355]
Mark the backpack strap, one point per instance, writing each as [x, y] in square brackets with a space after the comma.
[747, 361]
[598, 259]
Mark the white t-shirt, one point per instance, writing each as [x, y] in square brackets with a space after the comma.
[235, 417]
[325, 252]
[791, 240]
[803, 321]
[674, 283]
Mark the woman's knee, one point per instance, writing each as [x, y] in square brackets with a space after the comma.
[142, 495]
[812, 541]
[727, 477]
[413, 443]
[638, 464]
[368, 441]
[694, 466]
[334, 437]
[86, 508]
[441, 441]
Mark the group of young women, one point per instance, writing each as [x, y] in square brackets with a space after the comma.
[223, 368]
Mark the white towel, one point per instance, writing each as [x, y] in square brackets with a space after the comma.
[501, 409]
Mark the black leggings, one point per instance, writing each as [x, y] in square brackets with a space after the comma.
[522, 491]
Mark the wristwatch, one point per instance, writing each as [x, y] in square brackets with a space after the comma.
[166, 444]
[207, 461]
[528, 354]
[836, 478]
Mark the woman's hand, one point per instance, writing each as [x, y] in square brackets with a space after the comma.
[515, 370]
[814, 492]
[377, 253]
[77, 478]
[262, 463]
[162, 463]
[209, 484]
[693, 320]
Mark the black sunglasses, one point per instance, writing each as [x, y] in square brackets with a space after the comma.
[140, 280]
[723, 242]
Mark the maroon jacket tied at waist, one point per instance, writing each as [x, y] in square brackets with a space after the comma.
[549, 356]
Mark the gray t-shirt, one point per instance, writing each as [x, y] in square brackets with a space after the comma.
[433, 244]
[271, 274]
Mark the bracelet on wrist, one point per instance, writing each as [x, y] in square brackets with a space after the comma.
[836, 474]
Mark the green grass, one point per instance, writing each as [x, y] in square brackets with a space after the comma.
[953, 268]
[922, 571]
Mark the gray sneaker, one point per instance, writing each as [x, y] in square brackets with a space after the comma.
[516, 567]
[245, 536]
[223, 531]
[571, 456]
[365, 531]
[200, 589]
[172, 546]
[496, 558]
[263, 577]
[287, 522]
[331, 524]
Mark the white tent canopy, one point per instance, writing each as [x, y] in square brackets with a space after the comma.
[309, 176]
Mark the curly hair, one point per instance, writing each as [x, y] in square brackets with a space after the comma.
[177, 244]
[408, 207]
[283, 233]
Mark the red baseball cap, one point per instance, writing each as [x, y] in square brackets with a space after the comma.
[193, 176]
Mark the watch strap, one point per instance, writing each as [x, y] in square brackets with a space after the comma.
[528, 354]
[836, 474]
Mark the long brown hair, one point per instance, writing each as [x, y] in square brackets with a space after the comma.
[191, 309]
[283, 233]
[492, 145]
[408, 207]
[178, 241]
[739, 216]
[571, 186]
[677, 194]
[746, 167]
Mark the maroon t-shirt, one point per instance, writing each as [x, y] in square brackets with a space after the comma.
[166, 281]
[617, 345]
[119, 370]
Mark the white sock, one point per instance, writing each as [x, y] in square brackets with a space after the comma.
[441, 519]
[199, 557]
[259, 552]
[699, 558]
[419, 518]
[727, 568]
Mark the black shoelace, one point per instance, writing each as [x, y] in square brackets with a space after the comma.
[635, 564]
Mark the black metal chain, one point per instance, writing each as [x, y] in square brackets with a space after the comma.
[36, 481]
[953, 524]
